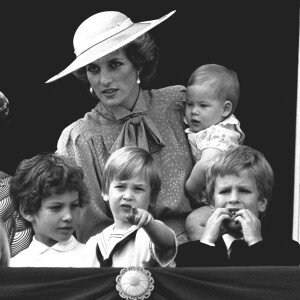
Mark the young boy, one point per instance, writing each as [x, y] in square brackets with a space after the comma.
[48, 191]
[131, 184]
[239, 184]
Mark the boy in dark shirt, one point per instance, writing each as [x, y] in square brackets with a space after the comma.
[239, 184]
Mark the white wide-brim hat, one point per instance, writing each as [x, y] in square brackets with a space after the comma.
[102, 34]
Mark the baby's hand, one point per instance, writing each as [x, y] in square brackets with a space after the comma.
[139, 217]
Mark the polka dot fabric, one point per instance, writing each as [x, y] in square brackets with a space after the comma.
[89, 141]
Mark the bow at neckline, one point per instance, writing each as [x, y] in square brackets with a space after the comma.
[140, 131]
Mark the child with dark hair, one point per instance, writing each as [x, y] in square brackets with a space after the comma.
[48, 191]
[239, 185]
[131, 183]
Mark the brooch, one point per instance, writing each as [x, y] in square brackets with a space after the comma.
[134, 283]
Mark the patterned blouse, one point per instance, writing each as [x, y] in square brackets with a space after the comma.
[155, 124]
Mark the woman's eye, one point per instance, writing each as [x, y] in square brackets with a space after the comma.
[115, 65]
[92, 68]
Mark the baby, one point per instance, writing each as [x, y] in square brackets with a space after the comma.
[211, 98]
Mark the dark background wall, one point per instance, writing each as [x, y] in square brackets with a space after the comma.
[257, 39]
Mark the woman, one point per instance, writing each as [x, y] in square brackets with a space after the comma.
[118, 60]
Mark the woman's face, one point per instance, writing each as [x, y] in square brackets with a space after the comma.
[113, 79]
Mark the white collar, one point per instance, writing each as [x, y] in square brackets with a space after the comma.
[60, 246]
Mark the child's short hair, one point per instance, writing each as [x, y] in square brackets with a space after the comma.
[44, 175]
[222, 81]
[128, 162]
[232, 161]
[4, 247]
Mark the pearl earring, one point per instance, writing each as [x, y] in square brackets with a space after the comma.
[138, 80]
[91, 90]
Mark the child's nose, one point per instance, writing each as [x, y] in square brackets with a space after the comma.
[67, 216]
[195, 111]
[127, 195]
[233, 197]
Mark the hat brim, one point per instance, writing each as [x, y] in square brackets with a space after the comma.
[113, 43]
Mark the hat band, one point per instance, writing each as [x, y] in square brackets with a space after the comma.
[100, 38]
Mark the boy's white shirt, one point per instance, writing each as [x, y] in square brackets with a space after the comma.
[69, 254]
[138, 251]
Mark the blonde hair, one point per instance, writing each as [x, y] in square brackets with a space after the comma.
[222, 81]
[128, 162]
[4, 247]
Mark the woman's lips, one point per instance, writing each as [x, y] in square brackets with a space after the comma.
[110, 92]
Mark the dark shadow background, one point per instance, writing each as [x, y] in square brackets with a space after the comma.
[257, 39]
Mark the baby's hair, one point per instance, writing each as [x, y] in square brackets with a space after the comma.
[45, 175]
[4, 247]
[221, 81]
[127, 163]
[235, 160]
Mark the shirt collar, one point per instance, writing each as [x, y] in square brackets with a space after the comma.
[60, 246]
[228, 239]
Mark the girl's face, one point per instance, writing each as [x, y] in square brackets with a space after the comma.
[56, 219]
[113, 79]
[123, 194]
[203, 109]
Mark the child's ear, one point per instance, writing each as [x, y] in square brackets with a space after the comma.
[227, 108]
[262, 205]
[105, 197]
[26, 216]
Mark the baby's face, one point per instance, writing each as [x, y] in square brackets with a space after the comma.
[56, 219]
[203, 109]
